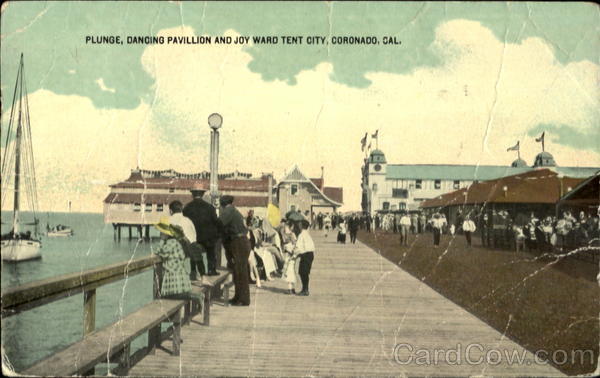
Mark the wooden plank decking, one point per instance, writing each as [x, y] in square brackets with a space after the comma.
[360, 307]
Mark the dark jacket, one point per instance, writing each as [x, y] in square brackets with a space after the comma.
[204, 217]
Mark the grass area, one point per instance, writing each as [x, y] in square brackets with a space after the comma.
[540, 303]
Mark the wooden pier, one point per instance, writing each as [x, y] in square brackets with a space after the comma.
[360, 308]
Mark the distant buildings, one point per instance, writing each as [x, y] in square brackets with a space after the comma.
[144, 197]
[535, 191]
[307, 194]
[404, 186]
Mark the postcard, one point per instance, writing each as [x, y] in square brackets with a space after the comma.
[322, 188]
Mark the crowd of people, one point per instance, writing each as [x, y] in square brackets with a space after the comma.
[497, 229]
[255, 249]
[259, 250]
[542, 234]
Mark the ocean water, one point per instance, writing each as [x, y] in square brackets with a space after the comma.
[39, 332]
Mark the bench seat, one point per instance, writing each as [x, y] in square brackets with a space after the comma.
[99, 345]
[113, 342]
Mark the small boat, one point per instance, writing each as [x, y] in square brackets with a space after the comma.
[17, 168]
[60, 230]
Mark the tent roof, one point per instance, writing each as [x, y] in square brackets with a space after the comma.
[537, 186]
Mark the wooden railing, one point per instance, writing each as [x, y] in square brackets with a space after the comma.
[38, 293]
[146, 319]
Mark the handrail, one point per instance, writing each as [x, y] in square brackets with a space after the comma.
[37, 293]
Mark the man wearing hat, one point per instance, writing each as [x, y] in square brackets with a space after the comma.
[204, 217]
[237, 247]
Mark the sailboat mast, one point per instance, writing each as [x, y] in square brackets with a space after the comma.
[18, 151]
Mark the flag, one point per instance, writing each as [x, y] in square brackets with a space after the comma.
[514, 148]
[363, 142]
[374, 136]
[541, 138]
[273, 215]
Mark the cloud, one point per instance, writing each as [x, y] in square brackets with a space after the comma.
[484, 97]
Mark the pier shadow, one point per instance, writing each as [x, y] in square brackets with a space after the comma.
[275, 290]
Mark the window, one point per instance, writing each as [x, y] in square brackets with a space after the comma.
[171, 190]
[418, 184]
[399, 193]
[159, 207]
[437, 184]
[402, 206]
[137, 206]
[456, 184]
[148, 207]
[374, 187]
[386, 206]
[294, 189]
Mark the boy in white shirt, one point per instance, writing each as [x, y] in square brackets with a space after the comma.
[305, 248]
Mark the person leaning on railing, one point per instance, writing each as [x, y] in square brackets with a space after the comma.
[176, 281]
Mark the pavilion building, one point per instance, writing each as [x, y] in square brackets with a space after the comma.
[389, 187]
[144, 197]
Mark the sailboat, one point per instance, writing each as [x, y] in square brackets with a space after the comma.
[18, 169]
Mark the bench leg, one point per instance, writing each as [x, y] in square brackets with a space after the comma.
[177, 333]
[124, 360]
[153, 339]
[226, 294]
[189, 308]
[206, 308]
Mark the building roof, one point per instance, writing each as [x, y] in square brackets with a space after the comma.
[534, 186]
[318, 182]
[472, 172]
[295, 175]
[586, 193]
[377, 156]
[336, 194]
[519, 163]
[450, 172]
[130, 198]
[137, 180]
[544, 159]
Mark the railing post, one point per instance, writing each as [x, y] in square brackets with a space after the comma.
[154, 333]
[89, 311]
[158, 276]
[89, 318]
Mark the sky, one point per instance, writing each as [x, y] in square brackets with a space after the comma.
[467, 81]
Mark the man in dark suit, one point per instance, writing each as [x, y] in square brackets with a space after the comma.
[237, 247]
[204, 217]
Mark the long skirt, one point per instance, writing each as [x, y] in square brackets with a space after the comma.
[289, 270]
[268, 260]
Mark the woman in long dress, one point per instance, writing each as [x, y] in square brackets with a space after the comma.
[176, 280]
[254, 275]
[326, 224]
[290, 275]
[267, 257]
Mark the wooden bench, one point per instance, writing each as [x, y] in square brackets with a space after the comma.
[112, 343]
[219, 287]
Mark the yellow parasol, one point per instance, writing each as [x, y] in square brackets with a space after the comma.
[273, 215]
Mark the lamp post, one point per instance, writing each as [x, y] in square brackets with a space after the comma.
[214, 121]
